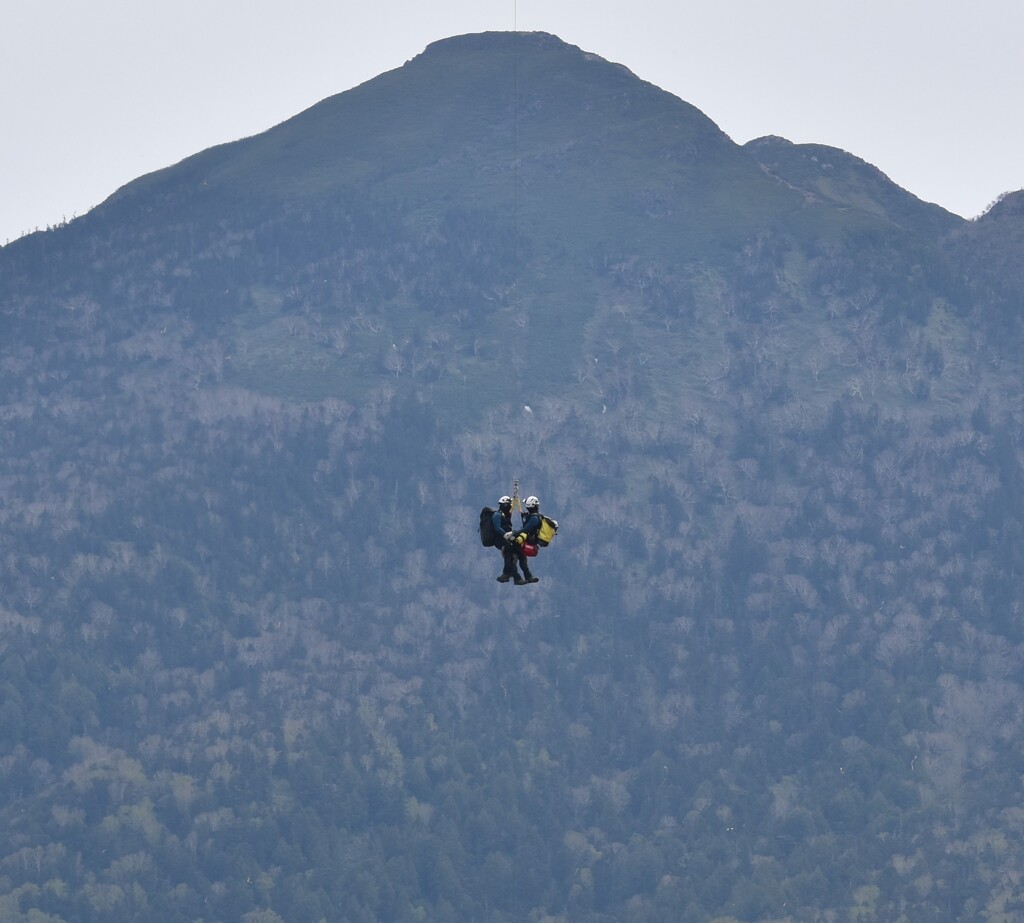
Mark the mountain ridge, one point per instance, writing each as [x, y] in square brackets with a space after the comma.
[829, 172]
[333, 129]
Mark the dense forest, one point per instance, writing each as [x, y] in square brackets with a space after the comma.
[254, 662]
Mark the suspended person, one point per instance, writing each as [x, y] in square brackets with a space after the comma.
[511, 545]
[539, 529]
[535, 530]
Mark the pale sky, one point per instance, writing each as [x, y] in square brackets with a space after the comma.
[94, 93]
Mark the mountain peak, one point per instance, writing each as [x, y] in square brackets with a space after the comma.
[495, 40]
[833, 175]
[471, 105]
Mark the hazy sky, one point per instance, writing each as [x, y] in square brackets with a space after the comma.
[94, 93]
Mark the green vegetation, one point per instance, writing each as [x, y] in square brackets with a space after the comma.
[254, 663]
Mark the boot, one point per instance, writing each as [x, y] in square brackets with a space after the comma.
[520, 581]
[529, 577]
[504, 578]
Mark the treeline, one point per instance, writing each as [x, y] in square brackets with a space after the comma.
[255, 663]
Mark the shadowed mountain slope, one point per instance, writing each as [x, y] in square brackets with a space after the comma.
[988, 253]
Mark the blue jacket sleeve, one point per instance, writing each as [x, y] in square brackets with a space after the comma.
[531, 525]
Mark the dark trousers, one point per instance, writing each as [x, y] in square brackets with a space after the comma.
[512, 554]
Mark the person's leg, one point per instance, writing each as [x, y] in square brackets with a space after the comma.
[509, 571]
[529, 578]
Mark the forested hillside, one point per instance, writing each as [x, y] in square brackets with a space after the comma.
[254, 662]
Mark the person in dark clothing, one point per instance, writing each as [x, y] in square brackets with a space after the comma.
[531, 519]
[531, 523]
[511, 546]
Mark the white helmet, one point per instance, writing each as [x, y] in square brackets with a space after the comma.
[505, 501]
[532, 503]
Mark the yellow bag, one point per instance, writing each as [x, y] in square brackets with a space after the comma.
[547, 531]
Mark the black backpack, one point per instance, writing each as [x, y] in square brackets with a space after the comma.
[488, 534]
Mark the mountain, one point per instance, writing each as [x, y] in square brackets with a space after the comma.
[254, 662]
